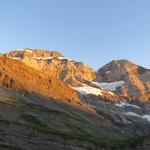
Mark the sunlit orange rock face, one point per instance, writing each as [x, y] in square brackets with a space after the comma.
[22, 78]
[55, 64]
[137, 79]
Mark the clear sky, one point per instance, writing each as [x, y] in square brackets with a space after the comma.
[92, 31]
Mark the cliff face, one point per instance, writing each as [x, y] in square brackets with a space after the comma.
[22, 78]
[55, 64]
[136, 79]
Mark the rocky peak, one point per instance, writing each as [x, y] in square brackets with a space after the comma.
[27, 52]
[117, 70]
[55, 64]
[136, 78]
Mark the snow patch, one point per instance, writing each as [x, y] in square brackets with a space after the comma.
[48, 58]
[146, 117]
[107, 72]
[133, 114]
[111, 93]
[63, 58]
[27, 50]
[43, 58]
[85, 89]
[16, 58]
[109, 86]
[127, 105]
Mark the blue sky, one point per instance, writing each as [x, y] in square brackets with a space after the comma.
[92, 31]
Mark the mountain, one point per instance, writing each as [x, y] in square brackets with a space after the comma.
[48, 101]
[21, 78]
[136, 79]
[55, 64]
[75, 74]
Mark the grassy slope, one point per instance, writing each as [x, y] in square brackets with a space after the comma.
[42, 119]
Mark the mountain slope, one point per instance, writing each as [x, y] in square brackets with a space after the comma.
[21, 78]
[34, 122]
[50, 102]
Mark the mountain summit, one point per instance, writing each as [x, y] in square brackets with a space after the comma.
[136, 78]
[55, 64]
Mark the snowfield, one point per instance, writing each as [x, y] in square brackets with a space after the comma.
[109, 86]
[85, 89]
[48, 58]
[16, 58]
[63, 58]
[133, 114]
[43, 58]
[147, 117]
[107, 72]
[127, 105]
[111, 93]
